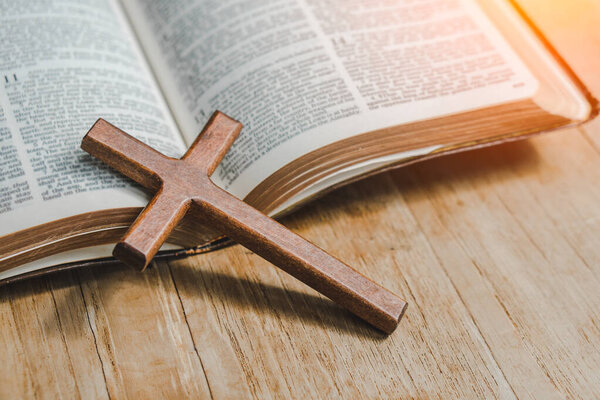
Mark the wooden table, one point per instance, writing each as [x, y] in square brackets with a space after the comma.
[496, 250]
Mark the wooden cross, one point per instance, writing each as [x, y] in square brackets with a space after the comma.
[184, 183]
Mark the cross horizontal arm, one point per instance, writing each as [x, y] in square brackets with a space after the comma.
[212, 143]
[301, 259]
[125, 153]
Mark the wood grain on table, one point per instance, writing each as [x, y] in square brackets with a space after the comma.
[497, 251]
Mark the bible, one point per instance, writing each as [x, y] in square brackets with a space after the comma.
[328, 92]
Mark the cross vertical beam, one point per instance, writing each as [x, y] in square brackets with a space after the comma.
[184, 183]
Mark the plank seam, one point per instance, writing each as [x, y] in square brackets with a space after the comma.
[461, 299]
[588, 139]
[87, 314]
[189, 329]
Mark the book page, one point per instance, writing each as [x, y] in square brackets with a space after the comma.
[64, 64]
[301, 74]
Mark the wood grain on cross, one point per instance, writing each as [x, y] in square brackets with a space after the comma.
[184, 183]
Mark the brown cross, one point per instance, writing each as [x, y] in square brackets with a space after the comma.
[183, 183]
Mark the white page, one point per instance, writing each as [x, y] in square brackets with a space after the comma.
[301, 74]
[63, 65]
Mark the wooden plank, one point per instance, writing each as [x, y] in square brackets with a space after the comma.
[501, 237]
[141, 334]
[572, 28]
[290, 342]
[47, 345]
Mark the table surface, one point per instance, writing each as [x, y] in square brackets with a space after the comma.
[497, 252]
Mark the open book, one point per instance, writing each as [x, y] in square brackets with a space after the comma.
[328, 91]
